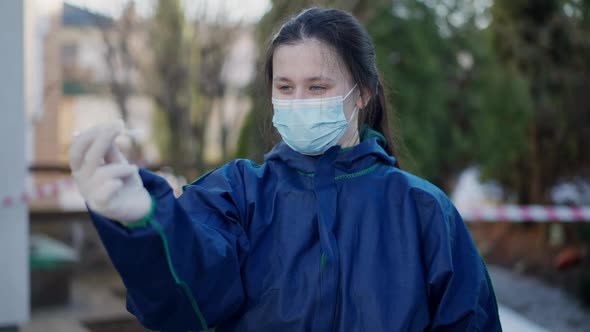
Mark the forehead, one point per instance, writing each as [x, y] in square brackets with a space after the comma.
[308, 58]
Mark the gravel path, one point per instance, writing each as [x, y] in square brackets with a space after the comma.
[549, 307]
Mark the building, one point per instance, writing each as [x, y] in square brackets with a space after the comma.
[77, 95]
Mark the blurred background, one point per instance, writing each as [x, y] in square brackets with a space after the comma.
[491, 100]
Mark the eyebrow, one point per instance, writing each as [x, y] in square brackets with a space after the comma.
[309, 79]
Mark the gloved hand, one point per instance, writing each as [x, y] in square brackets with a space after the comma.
[108, 183]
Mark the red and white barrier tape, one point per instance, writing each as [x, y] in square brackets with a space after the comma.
[530, 213]
[44, 191]
[500, 213]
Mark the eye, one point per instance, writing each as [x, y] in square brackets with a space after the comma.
[317, 88]
[284, 88]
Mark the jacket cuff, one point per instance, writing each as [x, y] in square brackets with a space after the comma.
[143, 222]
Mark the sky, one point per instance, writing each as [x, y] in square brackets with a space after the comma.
[236, 9]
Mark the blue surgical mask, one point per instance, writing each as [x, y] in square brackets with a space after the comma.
[311, 126]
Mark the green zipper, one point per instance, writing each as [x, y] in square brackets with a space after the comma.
[150, 220]
[348, 176]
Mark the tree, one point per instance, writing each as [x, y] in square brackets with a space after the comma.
[187, 64]
[417, 65]
[171, 79]
[546, 43]
[446, 83]
[121, 63]
[214, 41]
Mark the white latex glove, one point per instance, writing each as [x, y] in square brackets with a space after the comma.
[108, 183]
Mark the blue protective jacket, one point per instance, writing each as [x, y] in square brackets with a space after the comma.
[340, 242]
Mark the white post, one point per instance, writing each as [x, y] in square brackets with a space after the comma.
[14, 252]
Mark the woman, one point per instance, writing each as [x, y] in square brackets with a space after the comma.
[328, 234]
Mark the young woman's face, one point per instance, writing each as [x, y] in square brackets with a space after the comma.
[311, 69]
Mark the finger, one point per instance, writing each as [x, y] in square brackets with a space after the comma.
[106, 190]
[114, 171]
[83, 141]
[99, 147]
[114, 155]
[80, 146]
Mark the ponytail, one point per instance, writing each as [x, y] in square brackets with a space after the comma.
[376, 118]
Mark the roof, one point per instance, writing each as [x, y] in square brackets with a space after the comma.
[82, 17]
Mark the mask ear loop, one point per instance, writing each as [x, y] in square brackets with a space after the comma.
[349, 92]
[354, 111]
[355, 108]
[358, 138]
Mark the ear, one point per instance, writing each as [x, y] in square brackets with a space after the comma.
[363, 99]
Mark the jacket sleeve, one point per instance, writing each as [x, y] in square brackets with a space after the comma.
[181, 264]
[460, 292]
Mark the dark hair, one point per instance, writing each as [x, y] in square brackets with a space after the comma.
[350, 40]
